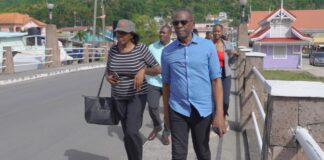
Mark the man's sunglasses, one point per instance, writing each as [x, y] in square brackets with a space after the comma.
[183, 22]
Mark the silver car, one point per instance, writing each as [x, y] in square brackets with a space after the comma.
[317, 56]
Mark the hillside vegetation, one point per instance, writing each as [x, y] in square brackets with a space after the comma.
[116, 9]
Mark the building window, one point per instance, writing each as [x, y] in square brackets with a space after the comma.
[296, 49]
[11, 29]
[30, 41]
[279, 52]
[18, 29]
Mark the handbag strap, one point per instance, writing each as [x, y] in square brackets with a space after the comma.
[103, 77]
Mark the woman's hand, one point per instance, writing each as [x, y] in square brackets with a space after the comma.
[139, 78]
[112, 80]
[232, 52]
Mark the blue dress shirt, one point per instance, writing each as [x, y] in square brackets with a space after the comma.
[189, 69]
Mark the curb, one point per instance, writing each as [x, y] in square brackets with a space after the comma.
[49, 74]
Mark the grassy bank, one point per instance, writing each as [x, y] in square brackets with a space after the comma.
[291, 76]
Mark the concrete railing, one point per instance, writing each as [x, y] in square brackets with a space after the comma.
[45, 58]
[277, 108]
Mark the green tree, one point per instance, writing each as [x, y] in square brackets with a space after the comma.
[146, 27]
[81, 36]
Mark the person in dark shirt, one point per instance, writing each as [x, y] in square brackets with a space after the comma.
[209, 35]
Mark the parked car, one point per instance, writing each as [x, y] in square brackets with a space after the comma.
[316, 56]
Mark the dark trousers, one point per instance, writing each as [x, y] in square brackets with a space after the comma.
[226, 82]
[200, 129]
[153, 99]
[131, 115]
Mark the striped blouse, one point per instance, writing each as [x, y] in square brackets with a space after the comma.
[126, 65]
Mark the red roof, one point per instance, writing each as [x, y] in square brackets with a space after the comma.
[280, 40]
[261, 32]
[18, 19]
[301, 33]
[305, 19]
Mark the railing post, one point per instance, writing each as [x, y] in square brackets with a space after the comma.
[7, 62]
[48, 57]
[105, 54]
[243, 37]
[86, 54]
[248, 105]
[52, 42]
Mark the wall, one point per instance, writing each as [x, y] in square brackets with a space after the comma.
[285, 114]
[292, 61]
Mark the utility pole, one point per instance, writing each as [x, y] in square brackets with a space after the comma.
[103, 21]
[94, 23]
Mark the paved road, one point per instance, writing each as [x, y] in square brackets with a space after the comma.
[315, 70]
[43, 120]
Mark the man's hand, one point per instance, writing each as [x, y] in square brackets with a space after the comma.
[139, 78]
[112, 80]
[166, 108]
[218, 124]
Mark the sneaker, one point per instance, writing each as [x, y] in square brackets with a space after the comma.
[227, 125]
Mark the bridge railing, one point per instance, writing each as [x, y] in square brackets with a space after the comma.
[20, 60]
[269, 109]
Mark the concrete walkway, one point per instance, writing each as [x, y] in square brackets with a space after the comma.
[230, 147]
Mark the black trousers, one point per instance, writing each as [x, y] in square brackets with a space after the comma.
[200, 129]
[131, 115]
[153, 100]
[226, 82]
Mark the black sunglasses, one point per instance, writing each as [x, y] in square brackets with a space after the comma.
[183, 22]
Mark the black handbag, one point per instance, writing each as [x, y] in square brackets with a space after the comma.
[100, 110]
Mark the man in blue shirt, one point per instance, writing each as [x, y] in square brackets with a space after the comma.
[155, 85]
[192, 89]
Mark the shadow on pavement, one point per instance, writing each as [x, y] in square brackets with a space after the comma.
[117, 130]
[80, 155]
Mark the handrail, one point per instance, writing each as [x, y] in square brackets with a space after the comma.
[257, 130]
[311, 148]
[26, 64]
[260, 107]
[259, 76]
